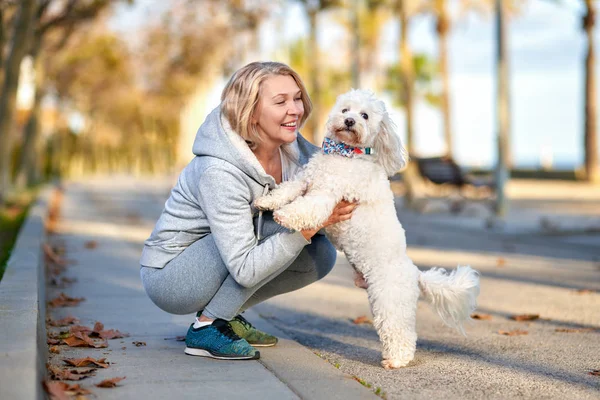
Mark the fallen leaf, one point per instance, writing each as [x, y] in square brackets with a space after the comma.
[177, 338]
[362, 320]
[515, 332]
[79, 328]
[525, 317]
[110, 383]
[586, 291]
[68, 320]
[98, 326]
[80, 339]
[64, 374]
[481, 316]
[138, 344]
[56, 390]
[500, 262]
[595, 372]
[54, 349]
[52, 256]
[84, 362]
[91, 244]
[112, 334]
[52, 341]
[575, 330]
[62, 300]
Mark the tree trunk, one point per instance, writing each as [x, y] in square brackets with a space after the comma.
[407, 67]
[355, 51]
[503, 111]
[592, 168]
[30, 162]
[443, 27]
[313, 67]
[22, 31]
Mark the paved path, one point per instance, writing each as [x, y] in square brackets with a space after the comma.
[102, 226]
[524, 270]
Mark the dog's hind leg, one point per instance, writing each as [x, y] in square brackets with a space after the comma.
[393, 298]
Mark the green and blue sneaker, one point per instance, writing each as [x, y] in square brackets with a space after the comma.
[218, 340]
[245, 330]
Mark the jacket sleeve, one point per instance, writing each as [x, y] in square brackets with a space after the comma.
[226, 200]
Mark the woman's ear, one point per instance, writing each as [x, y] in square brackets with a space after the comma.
[390, 152]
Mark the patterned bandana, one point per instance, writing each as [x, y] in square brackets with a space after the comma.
[330, 146]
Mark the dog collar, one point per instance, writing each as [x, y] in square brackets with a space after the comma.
[330, 146]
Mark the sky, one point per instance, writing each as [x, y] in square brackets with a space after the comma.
[546, 49]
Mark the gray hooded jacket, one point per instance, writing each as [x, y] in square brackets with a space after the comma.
[214, 195]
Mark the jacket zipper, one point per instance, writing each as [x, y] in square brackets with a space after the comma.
[260, 213]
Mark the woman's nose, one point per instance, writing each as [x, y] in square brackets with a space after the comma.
[294, 109]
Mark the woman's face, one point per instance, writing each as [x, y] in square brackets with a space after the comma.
[279, 110]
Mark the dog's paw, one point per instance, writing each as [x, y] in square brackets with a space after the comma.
[391, 363]
[282, 219]
[264, 203]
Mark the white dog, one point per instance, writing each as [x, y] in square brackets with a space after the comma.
[360, 151]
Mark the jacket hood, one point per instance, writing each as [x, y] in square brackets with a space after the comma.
[215, 138]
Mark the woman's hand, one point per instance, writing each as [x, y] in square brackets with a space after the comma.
[342, 212]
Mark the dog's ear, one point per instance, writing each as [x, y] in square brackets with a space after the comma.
[390, 152]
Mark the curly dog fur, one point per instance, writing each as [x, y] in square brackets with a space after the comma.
[373, 240]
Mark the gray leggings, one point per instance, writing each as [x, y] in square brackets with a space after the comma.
[197, 279]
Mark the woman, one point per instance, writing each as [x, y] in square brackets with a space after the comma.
[211, 252]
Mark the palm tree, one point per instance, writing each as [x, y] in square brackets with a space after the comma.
[592, 168]
[407, 68]
[503, 109]
[439, 9]
[313, 8]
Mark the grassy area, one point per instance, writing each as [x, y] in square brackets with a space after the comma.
[12, 215]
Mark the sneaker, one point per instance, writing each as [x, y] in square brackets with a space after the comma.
[256, 338]
[219, 341]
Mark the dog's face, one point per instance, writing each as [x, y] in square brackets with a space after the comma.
[360, 119]
[356, 118]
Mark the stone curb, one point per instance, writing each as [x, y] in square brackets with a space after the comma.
[23, 351]
[306, 374]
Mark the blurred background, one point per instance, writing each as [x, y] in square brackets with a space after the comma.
[116, 86]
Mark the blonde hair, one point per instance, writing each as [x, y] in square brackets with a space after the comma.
[241, 96]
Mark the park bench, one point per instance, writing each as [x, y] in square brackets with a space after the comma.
[443, 177]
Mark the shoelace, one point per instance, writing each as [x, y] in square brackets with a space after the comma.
[244, 321]
[227, 331]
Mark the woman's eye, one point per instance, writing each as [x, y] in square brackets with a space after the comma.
[298, 99]
[281, 102]
[344, 111]
[364, 115]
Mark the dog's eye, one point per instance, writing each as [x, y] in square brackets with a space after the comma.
[344, 111]
[364, 115]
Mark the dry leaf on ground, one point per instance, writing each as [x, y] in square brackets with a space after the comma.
[53, 342]
[52, 256]
[500, 262]
[525, 317]
[515, 332]
[79, 328]
[586, 291]
[84, 362]
[62, 300]
[54, 349]
[177, 338]
[99, 331]
[481, 316]
[362, 320]
[138, 344]
[595, 372]
[91, 244]
[70, 375]
[68, 320]
[110, 383]
[56, 390]
[80, 339]
[575, 330]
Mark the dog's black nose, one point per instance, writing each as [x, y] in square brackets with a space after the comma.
[349, 122]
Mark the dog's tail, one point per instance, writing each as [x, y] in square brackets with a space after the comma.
[453, 294]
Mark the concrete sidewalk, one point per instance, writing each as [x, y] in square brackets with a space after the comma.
[101, 228]
[528, 266]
